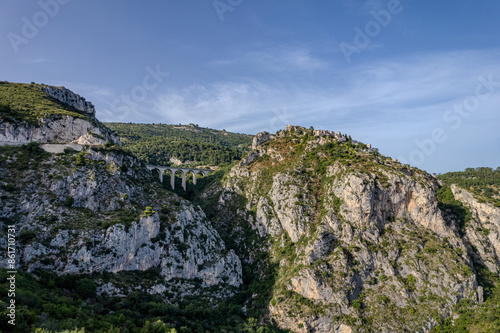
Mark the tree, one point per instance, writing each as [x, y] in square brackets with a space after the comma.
[80, 159]
[157, 327]
[86, 288]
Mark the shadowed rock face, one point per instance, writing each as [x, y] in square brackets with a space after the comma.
[483, 231]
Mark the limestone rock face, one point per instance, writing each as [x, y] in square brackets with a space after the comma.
[85, 219]
[139, 248]
[260, 138]
[356, 234]
[66, 129]
[68, 97]
[84, 130]
[483, 230]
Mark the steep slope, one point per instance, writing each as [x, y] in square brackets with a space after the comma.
[483, 182]
[43, 114]
[95, 227]
[347, 239]
[84, 216]
[482, 230]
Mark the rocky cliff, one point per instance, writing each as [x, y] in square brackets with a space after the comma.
[66, 129]
[99, 210]
[483, 229]
[88, 215]
[47, 114]
[349, 240]
[68, 97]
[311, 231]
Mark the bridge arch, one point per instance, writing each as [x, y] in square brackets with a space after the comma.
[173, 170]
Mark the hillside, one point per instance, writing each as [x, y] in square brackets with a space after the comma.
[350, 240]
[29, 102]
[100, 243]
[484, 182]
[310, 231]
[47, 114]
[162, 144]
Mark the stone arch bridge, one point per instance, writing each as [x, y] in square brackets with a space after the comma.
[173, 170]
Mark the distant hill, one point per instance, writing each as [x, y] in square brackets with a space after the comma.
[481, 181]
[161, 144]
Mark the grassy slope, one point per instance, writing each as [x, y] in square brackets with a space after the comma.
[28, 102]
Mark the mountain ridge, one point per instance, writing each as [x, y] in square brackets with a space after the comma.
[310, 231]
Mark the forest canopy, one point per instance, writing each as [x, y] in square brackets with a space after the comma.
[191, 144]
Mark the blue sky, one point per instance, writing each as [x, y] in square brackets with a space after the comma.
[420, 80]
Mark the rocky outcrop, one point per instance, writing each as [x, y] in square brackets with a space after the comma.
[64, 129]
[356, 233]
[141, 247]
[483, 230]
[260, 138]
[68, 97]
[90, 217]
[80, 128]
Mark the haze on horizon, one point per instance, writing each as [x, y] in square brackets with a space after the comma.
[418, 80]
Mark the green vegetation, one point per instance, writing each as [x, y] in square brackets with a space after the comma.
[484, 317]
[28, 102]
[481, 181]
[22, 158]
[57, 303]
[148, 212]
[157, 143]
[448, 204]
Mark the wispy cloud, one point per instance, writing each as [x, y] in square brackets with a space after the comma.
[277, 58]
[364, 7]
[398, 99]
[37, 61]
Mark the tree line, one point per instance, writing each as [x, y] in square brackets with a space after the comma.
[157, 143]
[484, 181]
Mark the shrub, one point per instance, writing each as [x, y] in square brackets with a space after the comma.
[410, 282]
[27, 235]
[86, 288]
[80, 159]
[356, 304]
[69, 201]
[9, 187]
[148, 212]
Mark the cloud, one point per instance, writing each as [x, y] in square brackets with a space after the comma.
[279, 58]
[37, 61]
[362, 7]
[390, 103]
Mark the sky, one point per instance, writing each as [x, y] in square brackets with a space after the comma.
[419, 80]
